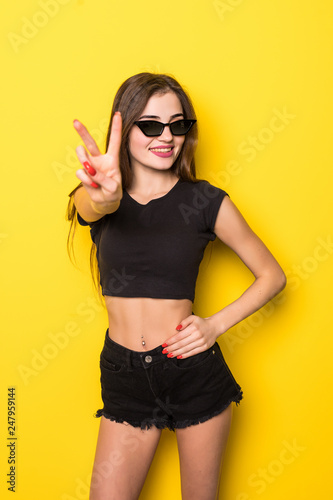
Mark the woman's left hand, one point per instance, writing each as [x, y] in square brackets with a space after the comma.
[194, 335]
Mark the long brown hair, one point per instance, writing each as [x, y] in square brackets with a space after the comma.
[131, 99]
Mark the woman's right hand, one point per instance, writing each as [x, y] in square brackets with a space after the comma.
[101, 174]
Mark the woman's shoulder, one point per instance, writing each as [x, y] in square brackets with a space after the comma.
[201, 187]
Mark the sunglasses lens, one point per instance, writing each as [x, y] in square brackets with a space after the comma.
[181, 127]
[150, 128]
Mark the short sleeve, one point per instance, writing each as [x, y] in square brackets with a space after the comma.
[213, 197]
[94, 226]
[81, 221]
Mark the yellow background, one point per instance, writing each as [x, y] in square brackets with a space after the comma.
[243, 62]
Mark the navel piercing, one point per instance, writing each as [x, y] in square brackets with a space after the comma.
[143, 342]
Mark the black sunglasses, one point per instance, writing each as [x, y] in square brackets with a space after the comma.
[151, 128]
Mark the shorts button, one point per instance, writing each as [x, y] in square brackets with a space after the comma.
[148, 359]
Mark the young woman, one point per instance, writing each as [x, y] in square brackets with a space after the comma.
[150, 221]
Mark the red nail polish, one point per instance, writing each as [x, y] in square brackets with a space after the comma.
[165, 351]
[179, 327]
[89, 168]
[179, 357]
[170, 355]
[94, 185]
[164, 345]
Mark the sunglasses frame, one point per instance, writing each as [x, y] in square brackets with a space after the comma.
[192, 122]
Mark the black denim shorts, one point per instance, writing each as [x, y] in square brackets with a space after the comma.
[145, 388]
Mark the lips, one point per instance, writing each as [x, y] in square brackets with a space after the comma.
[163, 151]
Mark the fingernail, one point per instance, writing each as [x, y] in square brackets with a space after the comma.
[179, 357]
[94, 185]
[170, 355]
[164, 351]
[89, 168]
[179, 327]
[164, 345]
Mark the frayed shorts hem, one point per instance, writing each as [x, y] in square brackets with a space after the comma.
[168, 424]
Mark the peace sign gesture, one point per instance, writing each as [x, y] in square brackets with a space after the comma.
[101, 174]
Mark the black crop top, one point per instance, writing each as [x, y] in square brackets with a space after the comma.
[155, 250]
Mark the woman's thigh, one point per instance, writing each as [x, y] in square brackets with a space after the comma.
[201, 451]
[123, 457]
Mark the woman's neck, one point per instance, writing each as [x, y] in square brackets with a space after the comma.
[148, 184]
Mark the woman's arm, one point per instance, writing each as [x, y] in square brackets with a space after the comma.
[101, 189]
[233, 230]
[198, 334]
[88, 209]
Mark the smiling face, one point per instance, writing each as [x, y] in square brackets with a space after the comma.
[157, 152]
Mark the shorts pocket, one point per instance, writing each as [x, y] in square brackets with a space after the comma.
[194, 361]
[107, 363]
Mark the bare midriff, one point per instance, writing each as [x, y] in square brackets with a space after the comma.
[141, 324]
